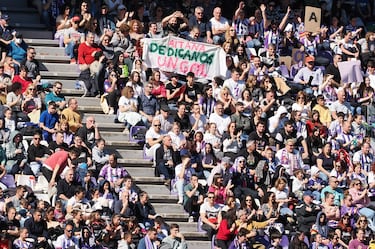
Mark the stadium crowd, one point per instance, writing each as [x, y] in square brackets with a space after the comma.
[270, 156]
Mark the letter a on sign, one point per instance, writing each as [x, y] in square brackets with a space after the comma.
[313, 17]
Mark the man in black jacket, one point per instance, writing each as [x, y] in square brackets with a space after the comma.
[166, 160]
[307, 212]
[37, 228]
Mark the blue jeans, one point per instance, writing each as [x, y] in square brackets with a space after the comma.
[69, 49]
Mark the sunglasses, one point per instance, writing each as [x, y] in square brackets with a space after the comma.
[210, 197]
[157, 125]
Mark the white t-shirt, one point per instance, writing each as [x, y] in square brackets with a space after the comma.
[221, 122]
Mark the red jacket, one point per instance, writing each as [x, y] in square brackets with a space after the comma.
[85, 53]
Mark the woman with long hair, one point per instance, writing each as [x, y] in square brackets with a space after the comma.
[207, 101]
[218, 188]
[135, 83]
[231, 141]
[127, 105]
[112, 92]
[228, 101]
[63, 127]
[158, 89]
[325, 161]
[313, 122]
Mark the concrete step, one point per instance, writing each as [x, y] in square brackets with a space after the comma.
[198, 244]
[23, 25]
[83, 101]
[152, 189]
[61, 67]
[12, 4]
[115, 136]
[19, 17]
[59, 75]
[42, 33]
[47, 42]
[127, 154]
[188, 226]
[155, 198]
[131, 162]
[123, 145]
[47, 50]
[155, 181]
[141, 171]
[165, 208]
[102, 118]
[195, 235]
[53, 59]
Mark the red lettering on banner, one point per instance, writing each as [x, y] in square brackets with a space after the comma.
[195, 46]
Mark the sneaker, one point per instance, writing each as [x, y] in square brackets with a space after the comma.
[191, 219]
[126, 131]
[73, 61]
[111, 111]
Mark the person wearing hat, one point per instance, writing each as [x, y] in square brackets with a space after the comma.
[289, 42]
[72, 38]
[105, 20]
[309, 77]
[166, 120]
[307, 212]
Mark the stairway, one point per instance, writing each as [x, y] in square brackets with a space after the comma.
[55, 66]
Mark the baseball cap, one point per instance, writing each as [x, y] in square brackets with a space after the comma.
[76, 19]
[165, 108]
[309, 58]
[121, 7]
[5, 17]
[308, 193]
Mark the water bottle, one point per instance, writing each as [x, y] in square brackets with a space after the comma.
[78, 85]
[125, 71]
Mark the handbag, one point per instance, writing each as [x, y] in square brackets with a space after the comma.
[104, 104]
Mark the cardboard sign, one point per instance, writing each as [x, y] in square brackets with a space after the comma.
[313, 17]
[287, 61]
[297, 56]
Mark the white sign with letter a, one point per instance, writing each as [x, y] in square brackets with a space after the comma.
[313, 17]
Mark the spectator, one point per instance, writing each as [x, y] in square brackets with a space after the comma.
[175, 92]
[67, 240]
[55, 164]
[154, 137]
[37, 154]
[210, 214]
[72, 38]
[48, 121]
[89, 132]
[199, 21]
[72, 115]
[113, 173]
[145, 212]
[56, 96]
[193, 196]
[59, 143]
[149, 241]
[37, 228]
[166, 159]
[174, 239]
[86, 56]
[219, 25]
[148, 105]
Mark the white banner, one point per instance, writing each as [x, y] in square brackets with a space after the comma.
[173, 54]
